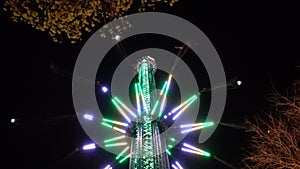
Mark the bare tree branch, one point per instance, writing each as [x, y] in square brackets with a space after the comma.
[275, 136]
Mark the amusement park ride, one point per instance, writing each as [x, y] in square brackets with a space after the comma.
[148, 148]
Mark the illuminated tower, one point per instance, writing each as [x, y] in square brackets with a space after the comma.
[147, 147]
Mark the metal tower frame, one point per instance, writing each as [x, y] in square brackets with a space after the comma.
[147, 147]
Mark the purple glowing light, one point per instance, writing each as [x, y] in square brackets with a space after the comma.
[178, 164]
[108, 167]
[89, 146]
[174, 166]
[104, 89]
[88, 116]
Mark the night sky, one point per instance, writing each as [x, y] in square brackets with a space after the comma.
[259, 43]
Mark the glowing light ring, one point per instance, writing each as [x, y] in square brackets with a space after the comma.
[91, 55]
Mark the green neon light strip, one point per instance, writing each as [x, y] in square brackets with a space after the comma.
[157, 101]
[207, 154]
[143, 98]
[183, 104]
[154, 108]
[116, 144]
[173, 139]
[125, 158]
[194, 148]
[144, 89]
[165, 96]
[137, 97]
[192, 129]
[203, 153]
[183, 109]
[168, 152]
[170, 146]
[121, 111]
[119, 130]
[163, 88]
[107, 125]
[122, 152]
[125, 107]
[114, 139]
[207, 124]
[168, 85]
[115, 122]
[162, 105]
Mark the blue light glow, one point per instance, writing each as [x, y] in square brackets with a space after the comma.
[174, 166]
[104, 89]
[179, 166]
[88, 116]
[108, 167]
[89, 146]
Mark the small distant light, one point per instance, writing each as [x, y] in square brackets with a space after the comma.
[13, 120]
[239, 82]
[104, 89]
[169, 113]
[165, 116]
[117, 37]
[88, 116]
[89, 146]
[179, 47]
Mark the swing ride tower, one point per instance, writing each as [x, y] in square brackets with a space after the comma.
[147, 147]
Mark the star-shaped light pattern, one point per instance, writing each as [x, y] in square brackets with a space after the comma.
[157, 112]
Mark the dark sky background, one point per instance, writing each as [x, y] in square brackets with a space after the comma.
[256, 42]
